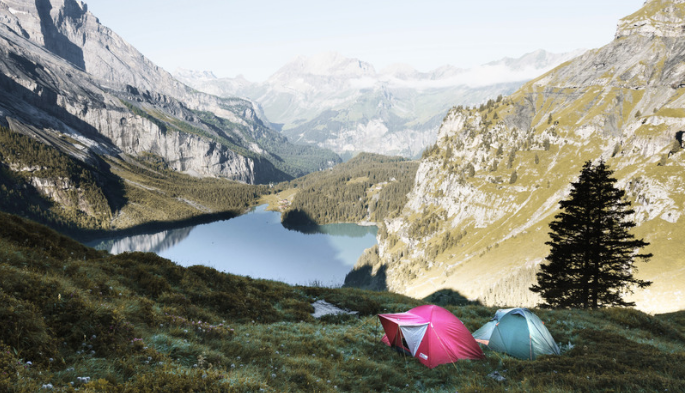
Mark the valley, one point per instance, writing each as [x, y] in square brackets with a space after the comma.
[139, 322]
[220, 211]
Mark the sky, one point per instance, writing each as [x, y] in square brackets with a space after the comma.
[255, 38]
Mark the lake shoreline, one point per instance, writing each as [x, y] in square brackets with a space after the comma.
[255, 244]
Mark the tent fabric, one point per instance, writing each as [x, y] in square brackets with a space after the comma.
[413, 334]
[483, 334]
[519, 333]
[431, 334]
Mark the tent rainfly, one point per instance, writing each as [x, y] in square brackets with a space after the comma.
[431, 334]
[517, 332]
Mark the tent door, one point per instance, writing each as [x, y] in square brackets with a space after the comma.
[413, 334]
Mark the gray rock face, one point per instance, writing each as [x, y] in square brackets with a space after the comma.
[658, 18]
[63, 73]
[42, 90]
[67, 29]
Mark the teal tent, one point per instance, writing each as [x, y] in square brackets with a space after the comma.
[517, 332]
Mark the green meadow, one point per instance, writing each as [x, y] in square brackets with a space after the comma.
[76, 319]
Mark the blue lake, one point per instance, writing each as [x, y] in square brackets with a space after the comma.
[257, 245]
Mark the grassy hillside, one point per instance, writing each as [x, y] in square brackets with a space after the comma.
[139, 323]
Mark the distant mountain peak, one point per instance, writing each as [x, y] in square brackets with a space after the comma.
[327, 64]
[537, 60]
[194, 74]
[400, 70]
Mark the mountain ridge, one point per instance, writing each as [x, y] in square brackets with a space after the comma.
[70, 83]
[485, 194]
[343, 104]
[114, 70]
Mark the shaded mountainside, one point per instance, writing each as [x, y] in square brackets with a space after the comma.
[477, 217]
[64, 74]
[77, 318]
[112, 193]
[368, 188]
[345, 105]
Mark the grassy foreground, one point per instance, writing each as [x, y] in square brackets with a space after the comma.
[75, 318]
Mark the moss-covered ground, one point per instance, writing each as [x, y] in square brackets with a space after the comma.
[75, 318]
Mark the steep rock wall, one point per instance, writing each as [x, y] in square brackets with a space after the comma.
[477, 219]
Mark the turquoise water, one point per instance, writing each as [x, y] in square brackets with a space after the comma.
[257, 245]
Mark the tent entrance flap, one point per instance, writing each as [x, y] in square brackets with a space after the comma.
[413, 334]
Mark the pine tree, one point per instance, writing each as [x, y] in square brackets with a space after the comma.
[592, 255]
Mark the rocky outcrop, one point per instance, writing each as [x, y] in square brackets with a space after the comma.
[658, 18]
[477, 219]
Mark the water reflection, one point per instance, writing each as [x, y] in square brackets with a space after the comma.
[257, 245]
[349, 230]
[154, 242]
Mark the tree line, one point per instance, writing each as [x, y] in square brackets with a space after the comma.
[370, 186]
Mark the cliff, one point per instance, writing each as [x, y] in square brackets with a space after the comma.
[477, 218]
[64, 73]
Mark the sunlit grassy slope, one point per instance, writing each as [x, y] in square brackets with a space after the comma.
[478, 216]
[139, 323]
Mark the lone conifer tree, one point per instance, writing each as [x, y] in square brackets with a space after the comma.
[592, 253]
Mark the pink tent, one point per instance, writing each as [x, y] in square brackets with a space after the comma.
[431, 334]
